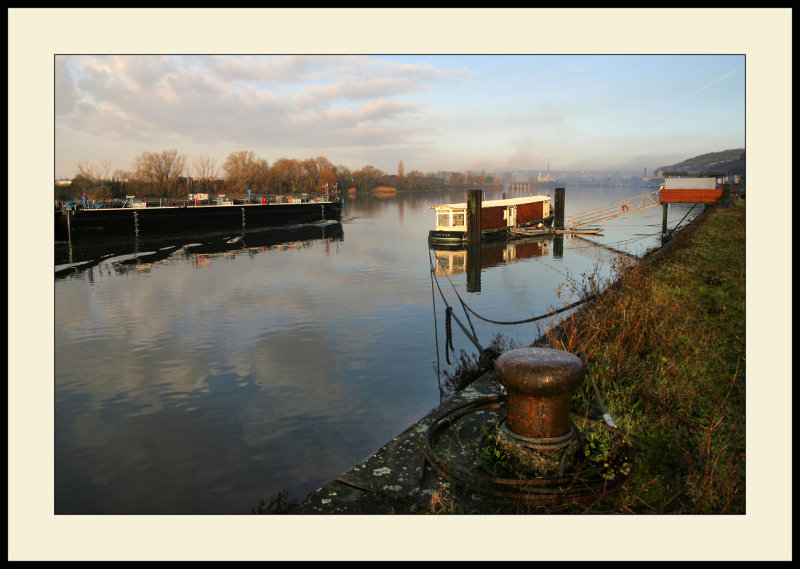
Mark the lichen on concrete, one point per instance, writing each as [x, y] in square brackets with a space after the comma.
[392, 479]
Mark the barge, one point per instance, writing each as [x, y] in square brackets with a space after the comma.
[139, 219]
[497, 218]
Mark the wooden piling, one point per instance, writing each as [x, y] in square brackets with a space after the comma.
[474, 204]
[473, 266]
[558, 220]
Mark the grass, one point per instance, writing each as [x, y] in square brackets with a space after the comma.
[666, 345]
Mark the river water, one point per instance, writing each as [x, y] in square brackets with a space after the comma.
[199, 375]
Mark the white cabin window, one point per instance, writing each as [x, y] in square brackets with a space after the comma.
[443, 220]
[458, 219]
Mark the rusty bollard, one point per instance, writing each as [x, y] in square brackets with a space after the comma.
[540, 382]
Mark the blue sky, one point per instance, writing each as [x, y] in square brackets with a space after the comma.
[432, 112]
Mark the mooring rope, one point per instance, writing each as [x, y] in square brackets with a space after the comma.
[535, 318]
[448, 326]
[449, 315]
[669, 235]
[461, 300]
[436, 336]
[527, 320]
[581, 485]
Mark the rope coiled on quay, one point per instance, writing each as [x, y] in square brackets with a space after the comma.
[584, 484]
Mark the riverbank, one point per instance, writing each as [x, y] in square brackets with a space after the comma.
[667, 348]
[666, 354]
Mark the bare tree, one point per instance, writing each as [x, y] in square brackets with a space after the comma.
[261, 176]
[241, 169]
[106, 166]
[366, 178]
[285, 176]
[169, 166]
[161, 170]
[86, 170]
[143, 169]
[206, 170]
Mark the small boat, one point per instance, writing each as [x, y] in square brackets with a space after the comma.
[497, 218]
[534, 231]
[546, 231]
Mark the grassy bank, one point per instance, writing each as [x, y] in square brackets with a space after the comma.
[666, 347]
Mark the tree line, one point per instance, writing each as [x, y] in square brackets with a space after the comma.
[170, 174]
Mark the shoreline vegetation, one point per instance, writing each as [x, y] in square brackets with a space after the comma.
[665, 349]
[166, 174]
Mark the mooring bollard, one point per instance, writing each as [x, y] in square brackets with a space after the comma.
[540, 384]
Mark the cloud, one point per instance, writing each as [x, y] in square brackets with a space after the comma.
[249, 100]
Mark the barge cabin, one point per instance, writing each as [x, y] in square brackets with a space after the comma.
[497, 217]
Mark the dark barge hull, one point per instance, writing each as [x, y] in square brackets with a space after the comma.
[148, 221]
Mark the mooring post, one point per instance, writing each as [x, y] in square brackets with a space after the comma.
[558, 246]
[540, 384]
[474, 204]
[473, 266]
[664, 207]
[558, 220]
[67, 212]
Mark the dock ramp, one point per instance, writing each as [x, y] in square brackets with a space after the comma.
[618, 209]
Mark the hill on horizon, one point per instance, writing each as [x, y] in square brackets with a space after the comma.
[730, 162]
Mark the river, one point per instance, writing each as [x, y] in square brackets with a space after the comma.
[198, 376]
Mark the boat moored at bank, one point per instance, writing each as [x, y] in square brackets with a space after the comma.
[140, 219]
[496, 218]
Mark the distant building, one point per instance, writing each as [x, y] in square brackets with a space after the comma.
[63, 182]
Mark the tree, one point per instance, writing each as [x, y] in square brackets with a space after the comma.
[415, 179]
[205, 171]
[261, 177]
[344, 178]
[366, 178]
[169, 167]
[160, 171]
[327, 176]
[80, 184]
[285, 176]
[457, 178]
[241, 169]
[400, 169]
[86, 171]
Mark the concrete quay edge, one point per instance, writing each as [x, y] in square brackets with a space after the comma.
[388, 481]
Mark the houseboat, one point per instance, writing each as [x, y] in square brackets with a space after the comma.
[497, 217]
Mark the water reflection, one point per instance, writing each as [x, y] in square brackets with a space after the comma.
[122, 255]
[454, 259]
[472, 258]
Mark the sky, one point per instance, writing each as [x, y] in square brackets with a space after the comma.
[432, 112]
